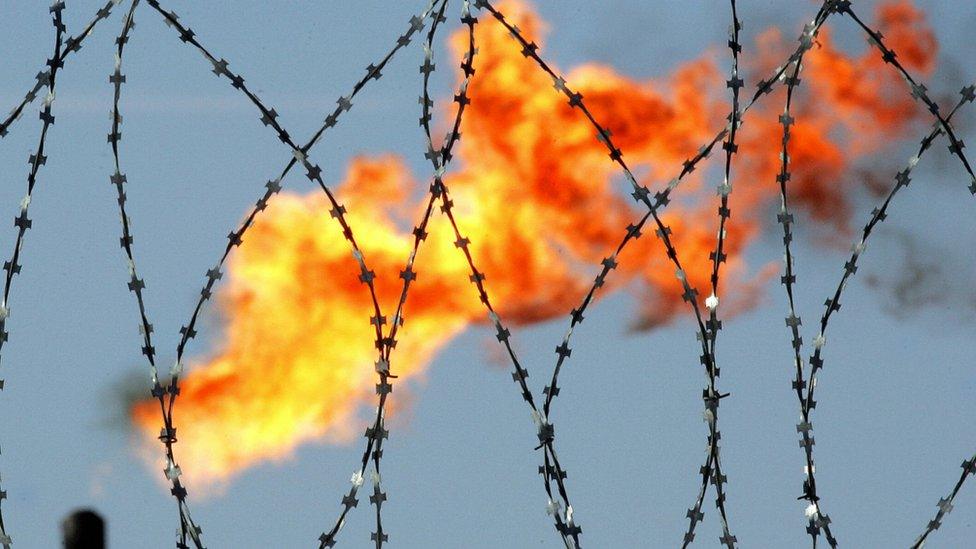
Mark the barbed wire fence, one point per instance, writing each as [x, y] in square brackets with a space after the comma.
[439, 152]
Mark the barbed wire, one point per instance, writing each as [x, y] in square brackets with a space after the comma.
[36, 160]
[878, 215]
[712, 469]
[166, 396]
[820, 521]
[945, 504]
[707, 329]
[559, 505]
[919, 91]
[71, 44]
[816, 517]
[377, 432]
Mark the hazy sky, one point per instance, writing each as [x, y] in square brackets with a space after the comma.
[895, 407]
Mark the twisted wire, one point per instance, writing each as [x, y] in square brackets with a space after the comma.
[712, 468]
[817, 519]
[440, 157]
[711, 396]
[189, 530]
[269, 118]
[945, 504]
[71, 44]
[566, 526]
[918, 90]
[22, 223]
[878, 215]
[377, 433]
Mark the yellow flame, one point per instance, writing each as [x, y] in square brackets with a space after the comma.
[536, 194]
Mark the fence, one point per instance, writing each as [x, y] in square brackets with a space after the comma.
[386, 325]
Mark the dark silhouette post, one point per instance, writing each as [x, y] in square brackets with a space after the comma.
[83, 529]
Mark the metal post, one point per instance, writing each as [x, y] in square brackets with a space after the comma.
[83, 529]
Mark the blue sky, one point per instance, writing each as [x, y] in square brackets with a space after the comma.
[894, 409]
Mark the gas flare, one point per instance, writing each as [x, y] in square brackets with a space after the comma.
[542, 204]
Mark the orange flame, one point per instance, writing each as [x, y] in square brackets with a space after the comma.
[537, 195]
